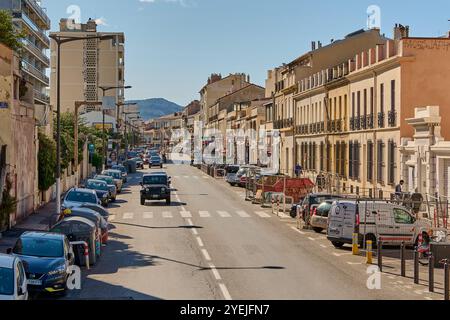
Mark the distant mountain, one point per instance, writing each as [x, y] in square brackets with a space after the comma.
[156, 107]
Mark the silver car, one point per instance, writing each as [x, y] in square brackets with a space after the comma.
[117, 176]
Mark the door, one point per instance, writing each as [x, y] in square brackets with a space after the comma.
[21, 282]
[384, 223]
[404, 226]
[349, 222]
[336, 222]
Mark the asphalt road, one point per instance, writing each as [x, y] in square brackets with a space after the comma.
[212, 244]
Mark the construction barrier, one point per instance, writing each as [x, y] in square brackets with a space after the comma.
[86, 250]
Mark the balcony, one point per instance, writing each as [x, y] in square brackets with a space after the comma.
[42, 97]
[36, 51]
[39, 11]
[381, 118]
[357, 123]
[338, 125]
[369, 121]
[352, 123]
[32, 26]
[34, 72]
[392, 118]
[363, 122]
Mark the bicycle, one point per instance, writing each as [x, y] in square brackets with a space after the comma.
[424, 250]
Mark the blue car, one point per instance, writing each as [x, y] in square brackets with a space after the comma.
[155, 161]
[47, 259]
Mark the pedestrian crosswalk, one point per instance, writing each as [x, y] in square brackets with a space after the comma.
[187, 215]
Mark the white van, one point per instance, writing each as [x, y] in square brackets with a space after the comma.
[374, 220]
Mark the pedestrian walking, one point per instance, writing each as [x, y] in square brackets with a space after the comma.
[298, 170]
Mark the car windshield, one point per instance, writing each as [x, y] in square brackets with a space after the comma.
[324, 209]
[6, 282]
[97, 185]
[155, 180]
[156, 158]
[108, 180]
[122, 169]
[319, 199]
[115, 175]
[232, 169]
[38, 247]
[78, 196]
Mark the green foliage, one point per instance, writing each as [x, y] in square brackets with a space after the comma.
[8, 205]
[46, 162]
[8, 35]
[97, 161]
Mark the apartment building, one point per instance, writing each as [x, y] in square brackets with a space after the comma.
[30, 17]
[289, 112]
[88, 64]
[353, 114]
[217, 87]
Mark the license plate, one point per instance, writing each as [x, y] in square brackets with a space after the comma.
[155, 196]
[34, 282]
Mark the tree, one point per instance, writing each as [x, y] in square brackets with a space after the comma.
[46, 162]
[8, 35]
[8, 205]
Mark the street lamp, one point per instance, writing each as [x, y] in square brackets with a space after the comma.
[118, 112]
[60, 40]
[126, 134]
[104, 90]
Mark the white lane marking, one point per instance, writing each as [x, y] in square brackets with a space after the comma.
[112, 217]
[196, 177]
[354, 263]
[205, 177]
[195, 232]
[323, 246]
[206, 255]
[189, 221]
[224, 214]
[200, 242]
[225, 292]
[341, 254]
[167, 215]
[262, 214]
[128, 216]
[186, 177]
[148, 215]
[204, 214]
[185, 214]
[295, 229]
[312, 239]
[243, 214]
[215, 272]
[428, 298]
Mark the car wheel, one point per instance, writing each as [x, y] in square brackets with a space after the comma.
[142, 202]
[168, 202]
[337, 244]
[113, 199]
[317, 230]
[161, 166]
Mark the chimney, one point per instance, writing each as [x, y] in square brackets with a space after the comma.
[248, 78]
[313, 45]
[400, 32]
[91, 26]
[319, 44]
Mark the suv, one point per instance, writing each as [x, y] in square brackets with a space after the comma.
[155, 186]
[313, 200]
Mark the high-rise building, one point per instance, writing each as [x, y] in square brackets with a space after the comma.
[86, 65]
[30, 17]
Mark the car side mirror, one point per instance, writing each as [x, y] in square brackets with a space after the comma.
[9, 251]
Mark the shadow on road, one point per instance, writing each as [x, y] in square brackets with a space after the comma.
[149, 227]
[163, 204]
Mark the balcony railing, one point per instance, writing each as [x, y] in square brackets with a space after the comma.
[39, 11]
[41, 96]
[36, 51]
[27, 67]
[363, 122]
[369, 121]
[392, 118]
[352, 123]
[381, 118]
[32, 26]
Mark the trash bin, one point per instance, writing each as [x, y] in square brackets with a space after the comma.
[79, 229]
[131, 166]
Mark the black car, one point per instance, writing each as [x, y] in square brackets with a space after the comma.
[155, 186]
[47, 259]
[101, 189]
[313, 199]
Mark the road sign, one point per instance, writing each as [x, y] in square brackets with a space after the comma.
[91, 148]
[109, 103]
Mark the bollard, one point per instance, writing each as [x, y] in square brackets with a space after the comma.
[446, 281]
[380, 255]
[355, 248]
[369, 252]
[403, 259]
[416, 266]
[86, 255]
[431, 273]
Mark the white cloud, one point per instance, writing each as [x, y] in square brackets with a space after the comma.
[101, 21]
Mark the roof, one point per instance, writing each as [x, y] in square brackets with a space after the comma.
[82, 190]
[43, 235]
[243, 88]
[78, 219]
[155, 174]
[7, 261]
[96, 180]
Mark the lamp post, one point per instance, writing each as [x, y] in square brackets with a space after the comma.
[105, 147]
[126, 134]
[60, 40]
[118, 113]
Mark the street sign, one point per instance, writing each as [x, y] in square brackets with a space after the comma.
[109, 103]
[91, 148]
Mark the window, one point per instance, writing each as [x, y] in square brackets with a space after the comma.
[372, 101]
[356, 159]
[343, 153]
[328, 157]
[402, 217]
[380, 164]
[359, 105]
[322, 154]
[370, 161]
[391, 160]
[393, 95]
[350, 162]
[382, 97]
[365, 102]
[353, 105]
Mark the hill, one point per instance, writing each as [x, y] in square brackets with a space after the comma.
[156, 107]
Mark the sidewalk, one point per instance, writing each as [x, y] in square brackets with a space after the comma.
[38, 221]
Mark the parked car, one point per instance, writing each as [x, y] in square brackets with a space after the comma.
[99, 209]
[111, 185]
[117, 176]
[47, 259]
[13, 281]
[313, 199]
[155, 186]
[319, 217]
[124, 171]
[231, 175]
[76, 197]
[155, 161]
[139, 162]
[372, 220]
[101, 189]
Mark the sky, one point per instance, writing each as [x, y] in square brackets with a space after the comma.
[172, 46]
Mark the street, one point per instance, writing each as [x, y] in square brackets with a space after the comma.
[211, 244]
